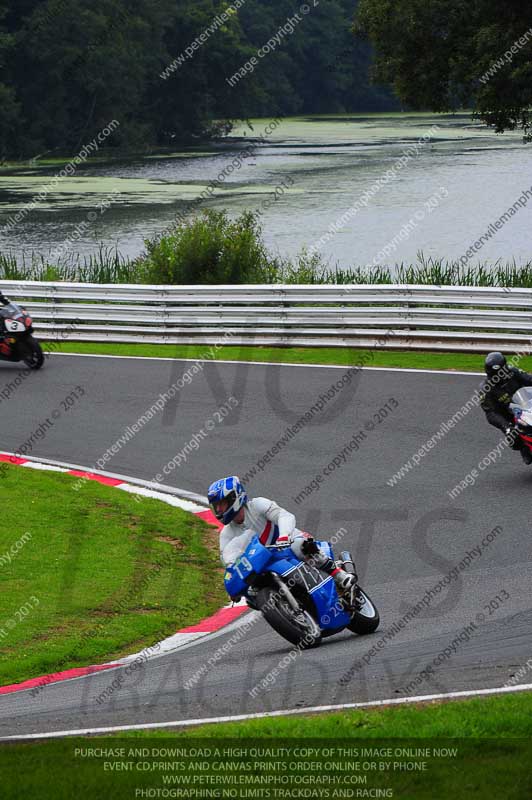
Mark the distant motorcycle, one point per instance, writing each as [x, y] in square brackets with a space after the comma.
[16, 340]
[295, 598]
[521, 408]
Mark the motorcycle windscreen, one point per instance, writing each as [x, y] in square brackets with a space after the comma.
[257, 555]
[10, 311]
[521, 407]
[523, 398]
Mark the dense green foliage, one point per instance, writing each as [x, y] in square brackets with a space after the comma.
[443, 54]
[211, 248]
[68, 68]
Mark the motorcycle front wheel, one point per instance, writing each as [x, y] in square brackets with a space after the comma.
[366, 618]
[299, 629]
[31, 353]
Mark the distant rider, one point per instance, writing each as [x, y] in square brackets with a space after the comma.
[243, 519]
[497, 391]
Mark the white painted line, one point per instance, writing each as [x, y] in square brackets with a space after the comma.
[263, 714]
[38, 465]
[185, 505]
[173, 644]
[183, 641]
[179, 640]
[165, 646]
[274, 364]
[169, 490]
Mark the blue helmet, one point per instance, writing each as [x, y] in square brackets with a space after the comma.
[227, 489]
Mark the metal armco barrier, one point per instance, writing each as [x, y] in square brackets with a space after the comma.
[385, 316]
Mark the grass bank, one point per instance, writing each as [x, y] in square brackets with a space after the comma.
[464, 362]
[478, 748]
[502, 717]
[97, 575]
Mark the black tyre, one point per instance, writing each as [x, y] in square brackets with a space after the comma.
[366, 619]
[32, 354]
[299, 629]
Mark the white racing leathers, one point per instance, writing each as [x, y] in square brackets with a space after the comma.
[265, 519]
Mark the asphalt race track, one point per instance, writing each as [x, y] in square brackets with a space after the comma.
[405, 538]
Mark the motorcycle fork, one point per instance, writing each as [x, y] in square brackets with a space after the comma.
[287, 594]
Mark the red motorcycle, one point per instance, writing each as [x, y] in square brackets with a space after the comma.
[16, 340]
[521, 407]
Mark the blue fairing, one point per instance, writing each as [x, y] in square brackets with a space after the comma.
[327, 602]
[258, 559]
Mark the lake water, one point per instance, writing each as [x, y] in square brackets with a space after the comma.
[439, 202]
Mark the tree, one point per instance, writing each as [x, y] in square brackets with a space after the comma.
[79, 66]
[189, 99]
[319, 68]
[446, 54]
[10, 108]
[69, 68]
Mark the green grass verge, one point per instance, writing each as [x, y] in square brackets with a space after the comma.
[492, 737]
[467, 362]
[108, 575]
[506, 716]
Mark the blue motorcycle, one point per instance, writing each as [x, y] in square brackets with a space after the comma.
[296, 599]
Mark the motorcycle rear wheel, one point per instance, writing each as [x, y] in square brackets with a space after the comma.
[31, 353]
[366, 619]
[303, 630]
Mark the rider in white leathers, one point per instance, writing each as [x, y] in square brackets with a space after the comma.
[263, 518]
[272, 524]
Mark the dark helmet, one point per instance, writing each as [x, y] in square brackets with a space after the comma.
[495, 364]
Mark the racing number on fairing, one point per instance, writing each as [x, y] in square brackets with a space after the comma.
[310, 576]
[247, 566]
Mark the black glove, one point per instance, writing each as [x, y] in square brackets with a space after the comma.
[309, 547]
[512, 437]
